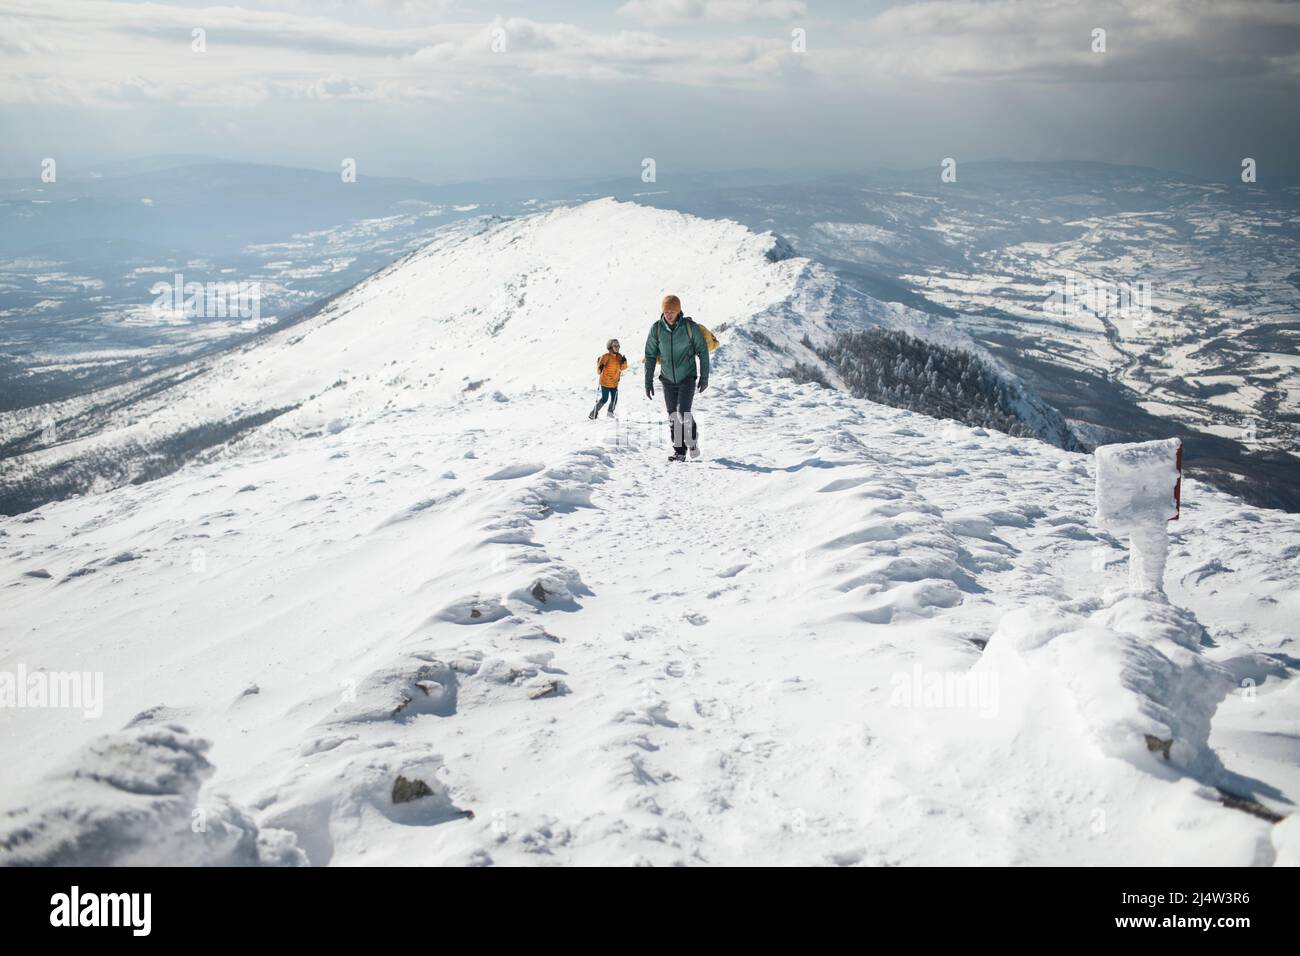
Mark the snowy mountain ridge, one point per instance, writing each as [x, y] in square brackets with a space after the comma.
[503, 304]
[411, 621]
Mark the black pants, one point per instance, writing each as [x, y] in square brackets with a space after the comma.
[678, 397]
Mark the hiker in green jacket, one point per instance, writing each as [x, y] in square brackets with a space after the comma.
[676, 341]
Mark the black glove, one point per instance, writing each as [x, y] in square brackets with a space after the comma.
[649, 391]
[704, 383]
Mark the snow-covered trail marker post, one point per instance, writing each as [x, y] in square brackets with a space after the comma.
[1139, 490]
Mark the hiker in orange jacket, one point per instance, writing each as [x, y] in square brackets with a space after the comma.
[610, 366]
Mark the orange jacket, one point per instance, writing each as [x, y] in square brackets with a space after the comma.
[610, 366]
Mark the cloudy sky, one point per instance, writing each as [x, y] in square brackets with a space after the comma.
[458, 89]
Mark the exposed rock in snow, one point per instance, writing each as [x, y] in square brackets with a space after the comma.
[781, 250]
[404, 791]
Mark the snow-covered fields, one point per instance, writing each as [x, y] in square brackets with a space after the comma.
[1212, 343]
[1139, 303]
[434, 616]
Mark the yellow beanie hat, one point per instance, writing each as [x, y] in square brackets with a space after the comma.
[670, 300]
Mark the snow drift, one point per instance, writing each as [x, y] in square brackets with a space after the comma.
[132, 799]
[1131, 667]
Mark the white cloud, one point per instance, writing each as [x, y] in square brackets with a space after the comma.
[19, 37]
[1051, 40]
[117, 24]
[337, 87]
[677, 11]
[414, 8]
[73, 51]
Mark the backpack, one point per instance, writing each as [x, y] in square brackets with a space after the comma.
[710, 342]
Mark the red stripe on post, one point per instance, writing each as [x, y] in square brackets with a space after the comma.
[1178, 485]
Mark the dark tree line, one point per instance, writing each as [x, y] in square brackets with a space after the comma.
[130, 462]
[894, 368]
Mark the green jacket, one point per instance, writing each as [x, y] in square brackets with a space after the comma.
[676, 348]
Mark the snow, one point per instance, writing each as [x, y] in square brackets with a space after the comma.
[472, 627]
[1132, 669]
[1135, 483]
[132, 798]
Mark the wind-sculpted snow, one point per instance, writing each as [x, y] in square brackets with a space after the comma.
[133, 799]
[473, 627]
[1131, 667]
[438, 672]
[896, 555]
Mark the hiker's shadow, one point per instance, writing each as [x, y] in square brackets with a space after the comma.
[770, 469]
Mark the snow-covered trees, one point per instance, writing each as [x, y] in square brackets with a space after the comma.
[898, 369]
